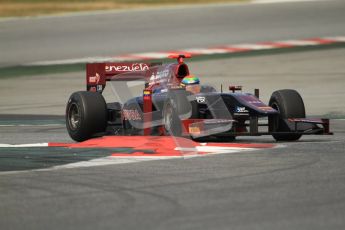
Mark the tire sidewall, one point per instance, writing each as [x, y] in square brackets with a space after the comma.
[289, 104]
[173, 125]
[93, 112]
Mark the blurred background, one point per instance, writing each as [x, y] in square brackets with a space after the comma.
[45, 45]
[289, 44]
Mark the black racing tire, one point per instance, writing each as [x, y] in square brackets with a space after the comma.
[222, 139]
[86, 115]
[131, 130]
[289, 104]
[171, 121]
[226, 138]
[180, 101]
[176, 107]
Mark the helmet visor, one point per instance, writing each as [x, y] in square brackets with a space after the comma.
[195, 88]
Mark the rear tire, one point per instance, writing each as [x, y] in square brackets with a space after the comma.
[289, 104]
[86, 115]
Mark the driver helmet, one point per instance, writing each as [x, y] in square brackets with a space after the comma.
[191, 83]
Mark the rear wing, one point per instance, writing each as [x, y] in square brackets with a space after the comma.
[98, 73]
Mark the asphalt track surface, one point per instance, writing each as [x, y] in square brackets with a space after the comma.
[111, 34]
[298, 186]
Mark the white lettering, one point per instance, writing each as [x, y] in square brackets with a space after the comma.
[95, 79]
[127, 68]
[131, 114]
[159, 77]
[200, 99]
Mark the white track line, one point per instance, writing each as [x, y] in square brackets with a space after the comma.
[113, 160]
[337, 38]
[252, 46]
[198, 151]
[299, 43]
[24, 145]
[206, 51]
[234, 48]
[31, 125]
[151, 55]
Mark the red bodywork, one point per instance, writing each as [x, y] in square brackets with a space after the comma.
[167, 75]
[154, 75]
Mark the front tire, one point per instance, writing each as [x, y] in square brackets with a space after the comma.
[176, 108]
[289, 104]
[172, 123]
[86, 115]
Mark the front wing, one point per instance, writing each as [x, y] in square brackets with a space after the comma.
[221, 127]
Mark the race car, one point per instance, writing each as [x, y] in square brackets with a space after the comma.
[165, 107]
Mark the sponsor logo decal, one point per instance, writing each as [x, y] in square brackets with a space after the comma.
[201, 99]
[131, 114]
[194, 130]
[95, 79]
[254, 102]
[241, 109]
[159, 77]
[99, 88]
[127, 68]
[147, 92]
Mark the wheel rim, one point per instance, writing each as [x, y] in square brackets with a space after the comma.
[168, 118]
[74, 118]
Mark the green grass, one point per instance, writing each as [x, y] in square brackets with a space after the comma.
[11, 8]
[119, 1]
